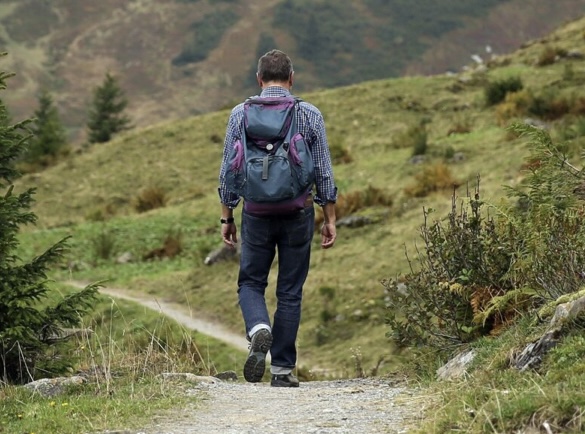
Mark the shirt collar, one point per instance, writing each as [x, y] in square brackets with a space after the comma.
[274, 91]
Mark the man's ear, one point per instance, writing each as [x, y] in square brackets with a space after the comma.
[291, 78]
[259, 80]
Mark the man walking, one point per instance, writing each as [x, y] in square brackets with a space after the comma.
[290, 233]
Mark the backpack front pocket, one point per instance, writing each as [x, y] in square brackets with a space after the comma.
[269, 179]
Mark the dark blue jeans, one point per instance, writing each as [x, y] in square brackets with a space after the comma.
[261, 237]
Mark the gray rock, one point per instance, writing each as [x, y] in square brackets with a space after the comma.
[575, 54]
[354, 221]
[54, 386]
[222, 253]
[456, 367]
[533, 353]
[567, 311]
[125, 258]
[189, 378]
[227, 376]
[418, 159]
[457, 157]
[536, 123]
[531, 356]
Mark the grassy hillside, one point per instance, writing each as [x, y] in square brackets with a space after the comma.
[93, 195]
[176, 58]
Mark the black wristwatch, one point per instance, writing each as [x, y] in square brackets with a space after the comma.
[226, 221]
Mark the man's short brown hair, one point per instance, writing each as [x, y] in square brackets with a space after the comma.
[274, 66]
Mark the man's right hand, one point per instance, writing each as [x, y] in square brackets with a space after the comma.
[229, 234]
[328, 235]
[328, 231]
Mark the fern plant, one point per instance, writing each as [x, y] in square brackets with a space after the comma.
[548, 215]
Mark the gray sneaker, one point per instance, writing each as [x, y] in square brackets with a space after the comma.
[284, 380]
[256, 362]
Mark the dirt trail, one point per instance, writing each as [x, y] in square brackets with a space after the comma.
[180, 313]
[367, 406]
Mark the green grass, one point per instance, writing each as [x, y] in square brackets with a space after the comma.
[122, 360]
[496, 397]
[88, 409]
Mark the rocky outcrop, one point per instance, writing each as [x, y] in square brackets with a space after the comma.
[222, 253]
[54, 386]
[533, 353]
[456, 367]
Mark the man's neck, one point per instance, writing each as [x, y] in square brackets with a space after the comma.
[284, 84]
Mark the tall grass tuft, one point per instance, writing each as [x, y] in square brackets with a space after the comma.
[103, 244]
[354, 201]
[433, 178]
[150, 198]
[549, 55]
[495, 91]
[415, 137]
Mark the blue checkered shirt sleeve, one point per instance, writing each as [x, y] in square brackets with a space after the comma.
[233, 132]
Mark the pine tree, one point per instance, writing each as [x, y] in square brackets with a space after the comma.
[106, 116]
[28, 322]
[49, 134]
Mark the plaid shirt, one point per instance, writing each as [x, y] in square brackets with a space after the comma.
[310, 124]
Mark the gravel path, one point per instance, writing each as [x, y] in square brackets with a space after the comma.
[322, 407]
[364, 406]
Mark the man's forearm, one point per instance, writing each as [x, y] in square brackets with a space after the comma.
[226, 212]
[329, 213]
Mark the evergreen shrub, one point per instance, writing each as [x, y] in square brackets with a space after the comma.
[32, 317]
[495, 92]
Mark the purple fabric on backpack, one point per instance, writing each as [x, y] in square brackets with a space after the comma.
[277, 209]
[238, 160]
[294, 153]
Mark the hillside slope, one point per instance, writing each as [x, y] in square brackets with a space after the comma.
[92, 196]
[177, 58]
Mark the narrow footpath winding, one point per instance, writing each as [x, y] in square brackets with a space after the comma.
[365, 406]
[177, 312]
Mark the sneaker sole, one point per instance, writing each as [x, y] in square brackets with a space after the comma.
[283, 384]
[256, 362]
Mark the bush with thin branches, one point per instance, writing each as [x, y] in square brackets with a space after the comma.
[478, 271]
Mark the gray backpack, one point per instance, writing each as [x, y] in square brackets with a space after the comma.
[271, 167]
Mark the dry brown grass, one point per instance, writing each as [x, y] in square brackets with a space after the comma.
[172, 246]
[150, 198]
[434, 177]
[516, 104]
[354, 201]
